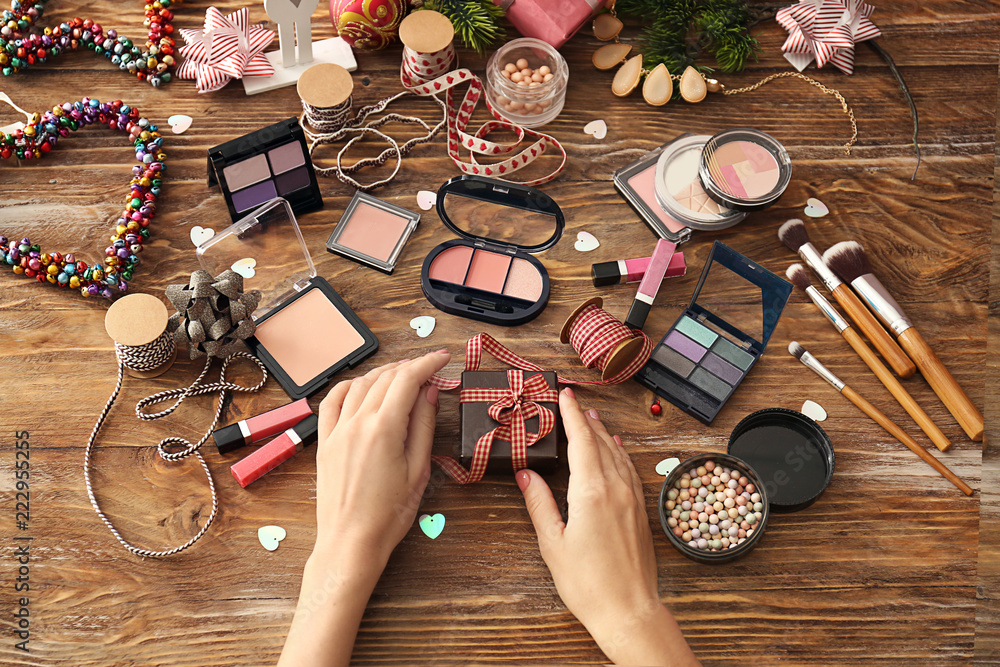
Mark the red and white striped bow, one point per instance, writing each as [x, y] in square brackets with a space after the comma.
[228, 48]
[826, 30]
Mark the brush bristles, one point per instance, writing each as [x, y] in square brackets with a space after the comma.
[848, 260]
[799, 277]
[793, 234]
[796, 350]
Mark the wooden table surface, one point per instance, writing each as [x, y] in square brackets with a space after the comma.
[883, 567]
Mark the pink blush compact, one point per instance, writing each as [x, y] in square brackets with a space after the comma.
[372, 232]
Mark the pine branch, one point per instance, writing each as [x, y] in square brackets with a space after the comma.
[680, 30]
[476, 22]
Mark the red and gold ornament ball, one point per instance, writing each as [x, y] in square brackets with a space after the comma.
[367, 25]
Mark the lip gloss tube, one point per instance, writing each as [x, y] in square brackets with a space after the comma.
[632, 270]
[273, 454]
[262, 426]
[650, 284]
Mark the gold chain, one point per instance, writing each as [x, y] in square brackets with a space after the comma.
[814, 82]
[780, 75]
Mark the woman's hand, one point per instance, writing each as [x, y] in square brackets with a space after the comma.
[373, 463]
[602, 558]
[374, 458]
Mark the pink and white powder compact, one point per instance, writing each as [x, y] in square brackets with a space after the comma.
[489, 274]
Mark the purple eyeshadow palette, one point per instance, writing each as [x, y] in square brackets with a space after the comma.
[703, 358]
[260, 166]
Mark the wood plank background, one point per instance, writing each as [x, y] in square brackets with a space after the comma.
[885, 566]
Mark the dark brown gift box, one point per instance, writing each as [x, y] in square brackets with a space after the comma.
[543, 456]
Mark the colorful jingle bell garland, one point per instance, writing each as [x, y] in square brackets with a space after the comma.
[20, 49]
[131, 230]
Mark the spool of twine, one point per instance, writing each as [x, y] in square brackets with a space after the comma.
[326, 92]
[137, 323]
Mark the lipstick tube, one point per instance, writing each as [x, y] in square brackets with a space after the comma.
[632, 270]
[650, 284]
[270, 456]
[260, 427]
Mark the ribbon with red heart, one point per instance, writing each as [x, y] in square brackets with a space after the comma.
[131, 230]
[20, 49]
[433, 78]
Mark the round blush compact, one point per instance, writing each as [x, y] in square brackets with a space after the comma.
[744, 169]
[489, 273]
[679, 190]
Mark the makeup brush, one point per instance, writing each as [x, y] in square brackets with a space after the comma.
[794, 235]
[849, 261]
[812, 362]
[799, 277]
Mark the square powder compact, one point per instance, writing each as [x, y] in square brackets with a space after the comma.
[372, 232]
[636, 182]
[489, 274]
[306, 333]
[257, 167]
[704, 356]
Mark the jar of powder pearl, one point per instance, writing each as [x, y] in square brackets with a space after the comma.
[526, 82]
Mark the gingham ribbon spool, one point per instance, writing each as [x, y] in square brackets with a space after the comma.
[458, 120]
[142, 357]
[596, 337]
[595, 334]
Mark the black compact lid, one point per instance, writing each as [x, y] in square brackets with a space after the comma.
[774, 293]
[792, 456]
[502, 193]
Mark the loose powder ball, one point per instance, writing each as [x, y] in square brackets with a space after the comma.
[713, 507]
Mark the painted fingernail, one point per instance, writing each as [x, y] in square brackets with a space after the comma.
[569, 392]
[432, 397]
[523, 479]
[443, 351]
[618, 440]
[593, 414]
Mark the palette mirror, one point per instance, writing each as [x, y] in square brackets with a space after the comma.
[707, 353]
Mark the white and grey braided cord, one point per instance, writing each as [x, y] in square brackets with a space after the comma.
[148, 358]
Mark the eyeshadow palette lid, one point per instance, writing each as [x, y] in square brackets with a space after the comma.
[791, 454]
[723, 264]
[498, 213]
[265, 247]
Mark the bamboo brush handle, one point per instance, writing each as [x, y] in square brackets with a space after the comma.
[897, 390]
[943, 384]
[900, 435]
[874, 331]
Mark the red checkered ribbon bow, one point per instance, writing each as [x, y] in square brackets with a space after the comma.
[511, 407]
[514, 406]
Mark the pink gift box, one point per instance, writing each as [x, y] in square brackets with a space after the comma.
[552, 21]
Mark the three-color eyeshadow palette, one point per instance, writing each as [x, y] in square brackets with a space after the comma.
[260, 166]
[703, 357]
[489, 279]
